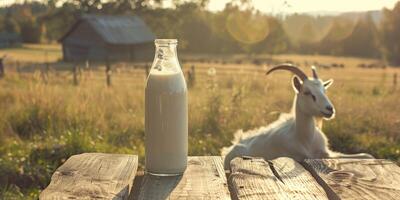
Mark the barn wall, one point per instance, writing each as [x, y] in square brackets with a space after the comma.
[144, 52]
[119, 52]
[139, 52]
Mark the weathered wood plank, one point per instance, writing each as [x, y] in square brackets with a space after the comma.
[282, 178]
[357, 178]
[93, 176]
[204, 178]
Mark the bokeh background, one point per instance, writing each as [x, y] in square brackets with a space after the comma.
[52, 107]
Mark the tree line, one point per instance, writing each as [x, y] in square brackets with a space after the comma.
[238, 28]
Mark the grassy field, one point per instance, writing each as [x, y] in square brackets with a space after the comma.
[39, 53]
[41, 124]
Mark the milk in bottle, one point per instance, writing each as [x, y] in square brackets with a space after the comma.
[166, 114]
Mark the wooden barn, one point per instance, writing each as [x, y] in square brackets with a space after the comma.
[116, 38]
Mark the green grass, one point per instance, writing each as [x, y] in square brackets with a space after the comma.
[42, 125]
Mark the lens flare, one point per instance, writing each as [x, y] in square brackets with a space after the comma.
[340, 30]
[246, 27]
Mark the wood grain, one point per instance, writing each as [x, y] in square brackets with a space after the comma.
[282, 178]
[93, 176]
[204, 178]
[357, 178]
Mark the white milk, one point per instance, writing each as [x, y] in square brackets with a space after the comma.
[166, 122]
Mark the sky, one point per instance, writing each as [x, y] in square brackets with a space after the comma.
[299, 6]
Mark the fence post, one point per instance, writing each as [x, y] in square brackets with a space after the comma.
[191, 76]
[193, 73]
[108, 72]
[2, 72]
[75, 73]
[88, 69]
[45, 73]
[394, 81]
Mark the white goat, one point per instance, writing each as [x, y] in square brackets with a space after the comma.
[298, 134]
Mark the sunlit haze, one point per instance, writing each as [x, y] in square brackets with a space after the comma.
[293, 6]
[300, 6]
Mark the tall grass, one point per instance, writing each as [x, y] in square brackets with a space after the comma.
[41, 125]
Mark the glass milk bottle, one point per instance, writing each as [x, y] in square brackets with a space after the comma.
[166, 113]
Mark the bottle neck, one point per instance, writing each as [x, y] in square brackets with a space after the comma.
[166, 58]
[165, 51]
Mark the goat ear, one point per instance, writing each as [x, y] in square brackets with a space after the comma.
[296, 83]
[328, 83]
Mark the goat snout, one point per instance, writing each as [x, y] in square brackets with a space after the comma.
[329, 108]
[328, 112]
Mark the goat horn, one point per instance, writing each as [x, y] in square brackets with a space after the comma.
[291, 68]
[314, 72]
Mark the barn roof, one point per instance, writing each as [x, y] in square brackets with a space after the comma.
[117, 29]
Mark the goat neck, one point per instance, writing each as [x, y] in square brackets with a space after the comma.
[304, 123]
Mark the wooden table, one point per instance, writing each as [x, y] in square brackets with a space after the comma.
[115, 176]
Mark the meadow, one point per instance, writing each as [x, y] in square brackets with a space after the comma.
[42, 123]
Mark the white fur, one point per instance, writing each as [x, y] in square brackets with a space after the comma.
[297, 135]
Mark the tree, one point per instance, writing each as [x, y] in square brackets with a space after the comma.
[390, 34]
[10, 24]
[194, 30]
[31, 31]
[332, 42]
[199, 3]
[87, 6]
[57, 21]
[307, 33]
[275, 42]
[222, 41]
[135, 6]
[307, 39]
[362, 41]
